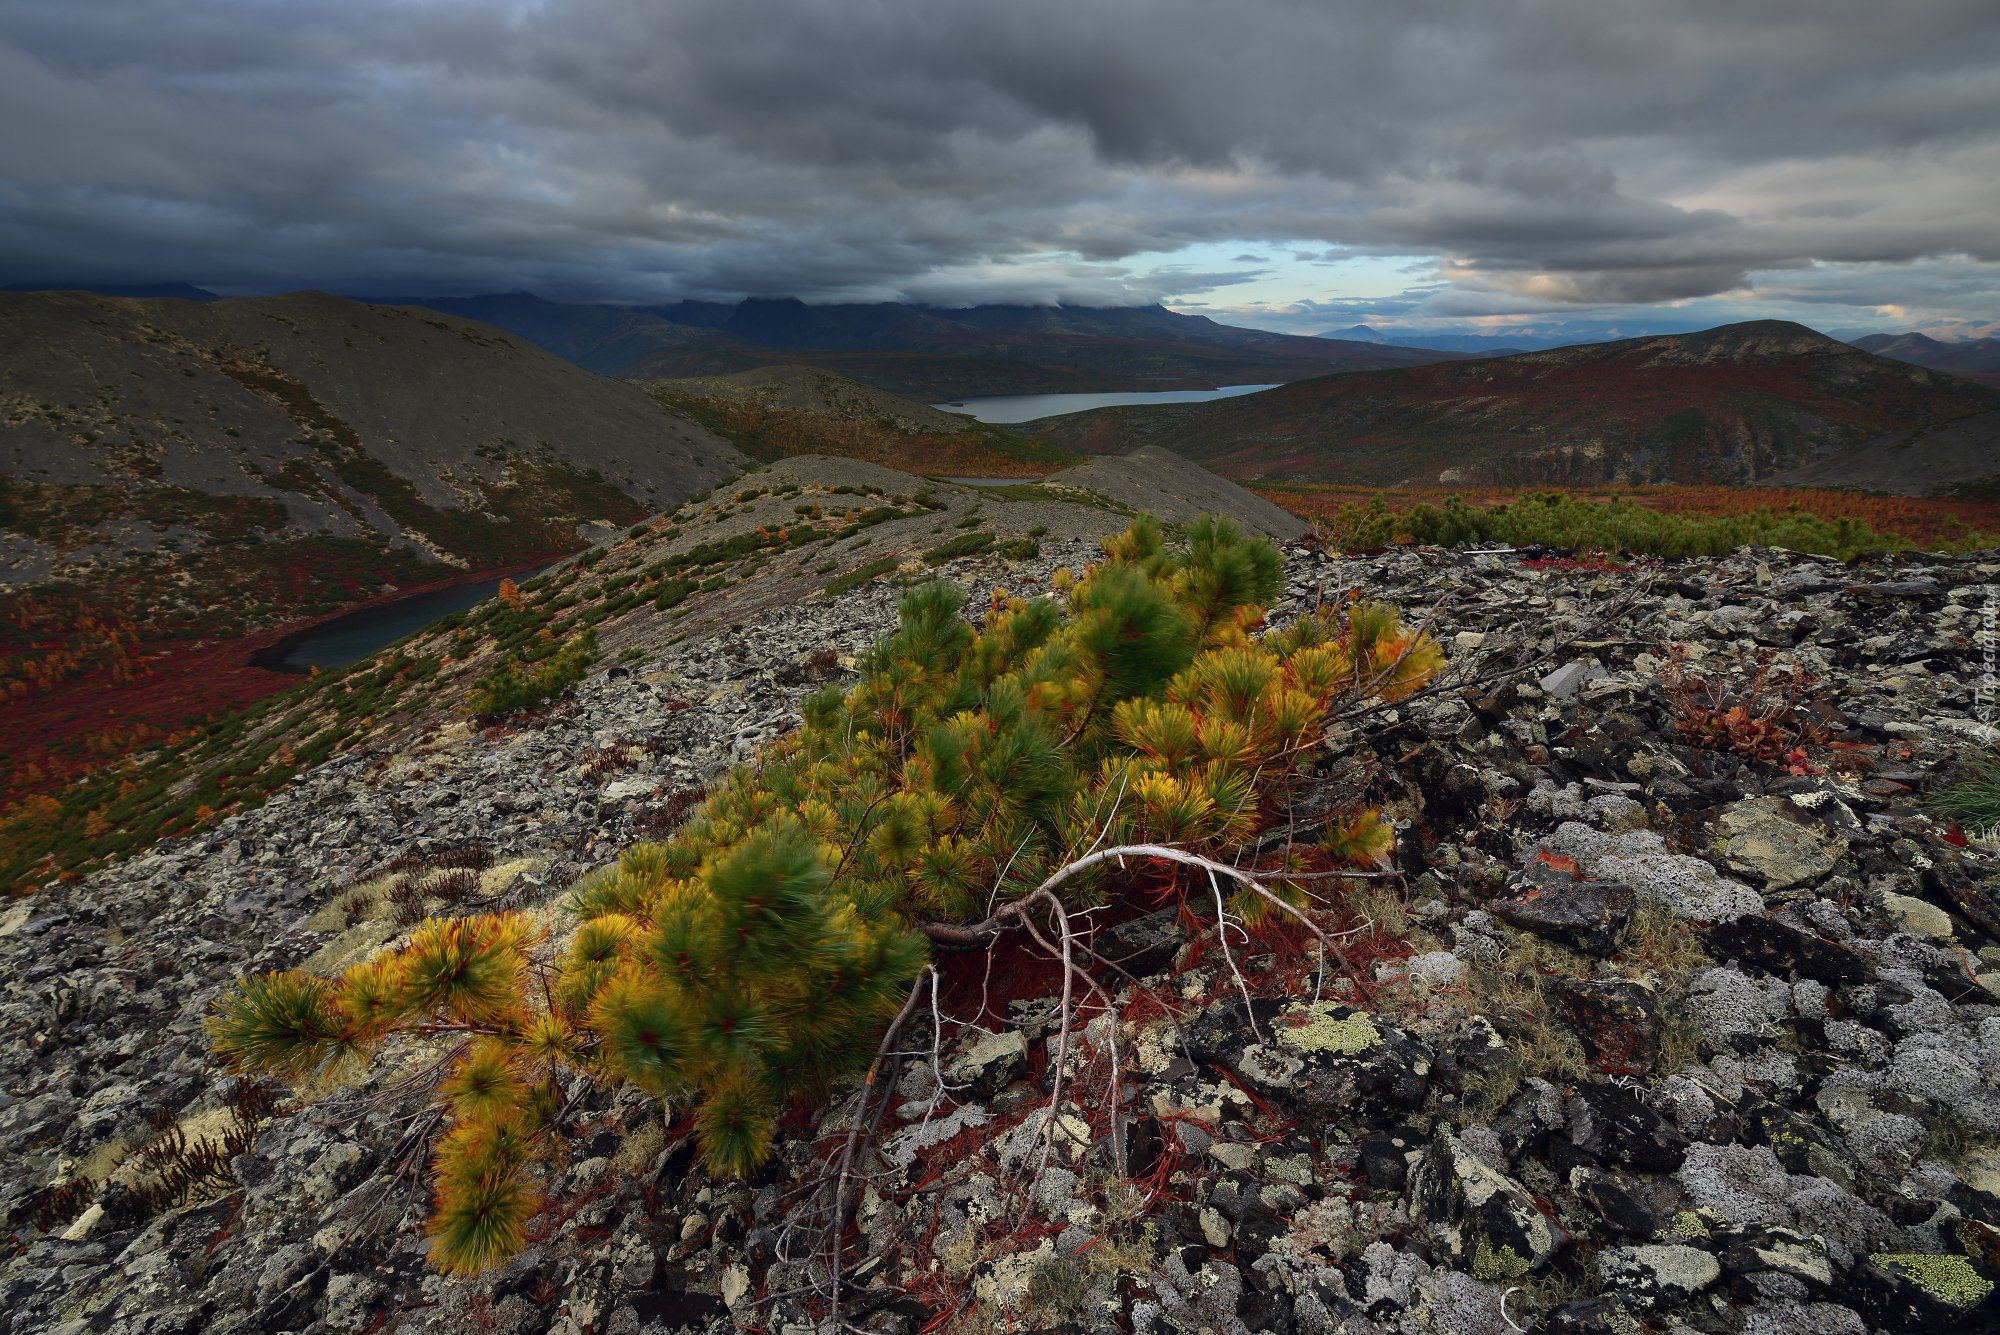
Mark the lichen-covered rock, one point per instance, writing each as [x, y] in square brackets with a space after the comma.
[1777, 843]
[1480, 1216]
[1916, 1291]
[1327, 1060]
[1657, 1276]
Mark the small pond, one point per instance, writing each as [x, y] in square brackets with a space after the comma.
[344, 639]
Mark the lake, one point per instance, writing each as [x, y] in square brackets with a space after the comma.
[344, 639]
[1027, 407]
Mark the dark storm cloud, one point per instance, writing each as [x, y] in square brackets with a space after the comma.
[1576, 152]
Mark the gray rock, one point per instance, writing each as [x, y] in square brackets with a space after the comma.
[1657, 1276]
[1482, 1218]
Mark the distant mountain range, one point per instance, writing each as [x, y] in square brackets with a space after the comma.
[1728, 405]
[926, 353]
[1977, 359]
[178, 291]
[1482, 345]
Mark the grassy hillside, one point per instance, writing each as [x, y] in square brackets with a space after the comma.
[784, 534]
[1730, 405]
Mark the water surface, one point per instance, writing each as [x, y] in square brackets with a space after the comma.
[345, 639]
[1027, 407]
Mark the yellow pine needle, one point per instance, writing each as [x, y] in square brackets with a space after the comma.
[484, 1084]
[470, 969]
[281, 1024]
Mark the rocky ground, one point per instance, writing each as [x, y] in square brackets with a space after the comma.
[1648, 1035]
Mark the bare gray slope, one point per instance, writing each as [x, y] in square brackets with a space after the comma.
[101, 389]
[1160, 482]
[1910, 463]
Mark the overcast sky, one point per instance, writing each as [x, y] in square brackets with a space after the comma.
[1296, 164]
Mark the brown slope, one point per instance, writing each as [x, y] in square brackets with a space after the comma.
[778, 412]
[301, 417]
[1728, 405]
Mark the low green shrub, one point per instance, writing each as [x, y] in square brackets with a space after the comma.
[835, 588]
[965, 545]
[755, 959]
[501, 692]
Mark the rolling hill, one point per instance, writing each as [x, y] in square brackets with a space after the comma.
[192, 478]
[777, 412]
[1729, 405]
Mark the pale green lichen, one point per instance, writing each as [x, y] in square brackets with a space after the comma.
[1950, 1278]
[1687, 1224]
[1503, 1264]
[1350, 1037]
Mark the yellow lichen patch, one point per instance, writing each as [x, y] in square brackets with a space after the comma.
[1950, 1278]
[1323, 1033]
[1503, 1264]
[1687, 1224]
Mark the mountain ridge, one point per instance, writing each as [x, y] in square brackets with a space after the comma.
[920, 352]
[1726, 405]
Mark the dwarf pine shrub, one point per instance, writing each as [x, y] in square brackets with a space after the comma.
[508, 688]
[758, 955]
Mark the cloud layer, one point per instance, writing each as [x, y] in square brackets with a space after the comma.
[1555, 155]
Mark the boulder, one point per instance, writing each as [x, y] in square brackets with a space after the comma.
[1617, 1021]
[1777, 843]
[1486, 1221]
[1588, 916]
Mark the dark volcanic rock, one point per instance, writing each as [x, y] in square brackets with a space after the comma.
[1144, 945]
[1590, 916]
[1611, 1124]
[1617, 1021]
[1780, 948]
